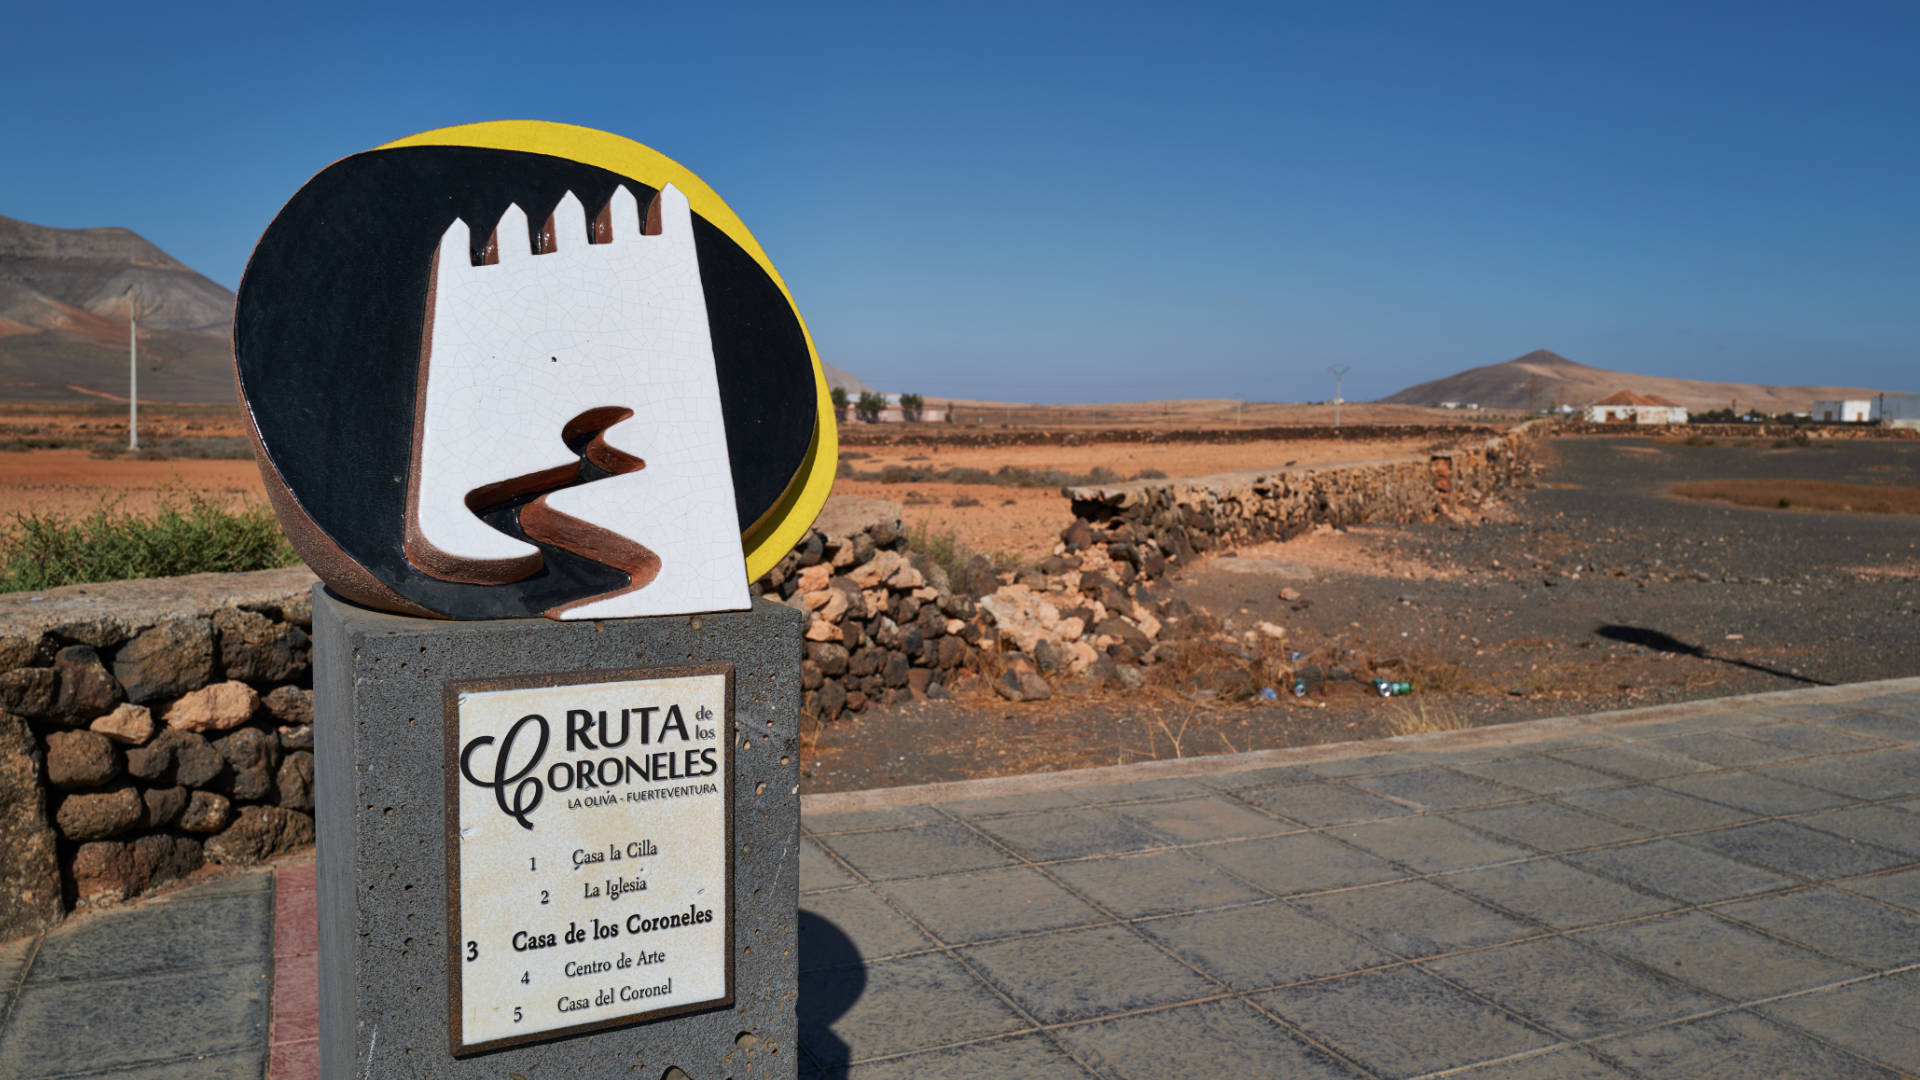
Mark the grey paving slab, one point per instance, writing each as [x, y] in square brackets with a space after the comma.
[1735, 1046]
[1440, 789]
[1026, 1056]
[1845, 927]
[1241, 779]
[893, 817]
[1556, 894]
[1890, 827]
[818, 870]
[1793, 708]
[63, 1028]
[1083, 974]
[1012, 804]
[1671, 868]
[1901, 888]
[1323, 803]
[1814, 738]
[1797, 849]
[1717, 956]
[1416, 918]
[1648, 806]
[990, 904]
[1579, 992]
[1211, 817]
[905, 853]
[1539, 774]
[895, 1007]
[1899, 701]
[241, 1065]
[1723, 748]
[1069, 834]
[1369, 764]
[1157, 883]
[1631, 762]
[1427, 844]
[1403, 1022]
[1907, 759]
[1644, 730]
[1548, 827]
[1901, 726]
[158, 937]
[1878, 1019]
[1764, 796]
[1302, 862]
[1569, 1064]
[1172, 787]
[1857, 776]
[875, 930]
[1270, 944]
[1206, 1041]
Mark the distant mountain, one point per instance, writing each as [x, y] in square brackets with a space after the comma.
[63, 318]
[1542, 379]
[844, 380]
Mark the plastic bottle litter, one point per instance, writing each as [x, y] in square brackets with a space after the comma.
[1391, 688]
[1267, 693]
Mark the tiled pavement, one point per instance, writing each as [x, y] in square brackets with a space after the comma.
[1720, 890]
[1729, 889]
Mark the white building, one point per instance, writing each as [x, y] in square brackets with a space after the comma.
[1896, 410]
[1627, 407]
[1844, 412]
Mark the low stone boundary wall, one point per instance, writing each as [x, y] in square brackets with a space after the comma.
[1147, 524]
[147, 727]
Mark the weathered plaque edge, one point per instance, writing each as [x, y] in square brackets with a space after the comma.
[451, 690]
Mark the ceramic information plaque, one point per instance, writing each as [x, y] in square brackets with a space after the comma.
[589, 851]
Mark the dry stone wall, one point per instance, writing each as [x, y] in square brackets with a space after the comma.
[147, 728]
[888, 623]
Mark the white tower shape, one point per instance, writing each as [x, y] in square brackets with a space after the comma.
[580, 336]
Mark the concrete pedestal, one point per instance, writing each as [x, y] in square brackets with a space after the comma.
[382, 789]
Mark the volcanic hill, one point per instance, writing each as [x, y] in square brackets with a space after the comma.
[63, 318]
[1543, 379]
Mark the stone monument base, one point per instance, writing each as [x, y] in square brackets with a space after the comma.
[391, 806]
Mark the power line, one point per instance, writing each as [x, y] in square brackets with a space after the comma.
[1339, 372]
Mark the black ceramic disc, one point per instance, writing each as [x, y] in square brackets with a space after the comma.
[327, 342]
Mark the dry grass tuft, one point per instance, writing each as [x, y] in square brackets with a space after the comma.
[1421, 715]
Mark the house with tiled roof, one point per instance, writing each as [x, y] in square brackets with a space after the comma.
[1628, 407]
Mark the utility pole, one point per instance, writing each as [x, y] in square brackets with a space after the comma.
[133, 370]
[1339, 372]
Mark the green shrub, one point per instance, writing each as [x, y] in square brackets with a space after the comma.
[188, 533]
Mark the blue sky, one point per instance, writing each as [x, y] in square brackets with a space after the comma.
[1109, 202]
